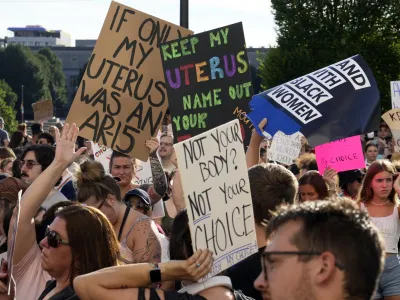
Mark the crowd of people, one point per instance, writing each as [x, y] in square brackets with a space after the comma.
[84, 233]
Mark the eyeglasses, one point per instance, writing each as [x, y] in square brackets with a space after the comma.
[166, 144]
[266, 256]
[29, 164]
[54, 239]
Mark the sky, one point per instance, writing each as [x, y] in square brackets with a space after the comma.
[83, 19]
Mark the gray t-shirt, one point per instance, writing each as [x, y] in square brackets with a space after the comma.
[3, 136]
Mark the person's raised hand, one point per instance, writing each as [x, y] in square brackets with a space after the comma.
[330, 177]
[65, 145]
[152, 144]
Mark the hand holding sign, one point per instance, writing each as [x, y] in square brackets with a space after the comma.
[152, 144]
[330, 177]
[321, 104]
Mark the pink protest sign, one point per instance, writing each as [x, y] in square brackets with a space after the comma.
[342, 155]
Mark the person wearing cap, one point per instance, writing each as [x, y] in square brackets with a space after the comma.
[140, 201]
[4, 138]
[350, 182]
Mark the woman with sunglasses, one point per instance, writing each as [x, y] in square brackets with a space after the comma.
[137, 233]
[79, 240]
[379, 196]
[127, 282]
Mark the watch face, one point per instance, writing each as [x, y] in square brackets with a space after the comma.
[155, 275]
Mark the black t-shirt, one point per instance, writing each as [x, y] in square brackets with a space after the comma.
[66, 294]
[244, 273]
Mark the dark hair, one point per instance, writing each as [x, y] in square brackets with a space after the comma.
[49, 217]
[47, 136]
[180, 244]
[370, 145]
[16, 168]
[271, 185]
[344, 230]
[44, 154]
[6, 152]
[314, 179]
[36, 128]
[116, 154]
[91, 180]
[366, 193]
[17, 139]
[92, 239]
[22, 127]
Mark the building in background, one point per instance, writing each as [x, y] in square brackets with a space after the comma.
[74, 59]
[38, 36]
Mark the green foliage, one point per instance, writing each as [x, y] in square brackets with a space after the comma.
[314, 33]
[10, 97]
[40, 74]
[7, 113]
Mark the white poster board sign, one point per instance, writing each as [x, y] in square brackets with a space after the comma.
[102, 154]
[395, 92]
[285, 149]
[217, 195]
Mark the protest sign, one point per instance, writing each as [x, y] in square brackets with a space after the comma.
[217, 195]
[102, 154]
[43, 110]
[285, 148]
[208, 81]
[342, 155]
[395, 92]
[392, 119]
[122, 100]
[332, 103]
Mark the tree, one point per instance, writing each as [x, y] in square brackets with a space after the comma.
[56, 84]
[316, 33]
[10, 97]
[19, 66]
[7, 113]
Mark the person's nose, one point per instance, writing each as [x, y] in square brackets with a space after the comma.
[260, 283]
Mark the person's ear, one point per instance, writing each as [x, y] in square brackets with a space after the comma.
[324, 268]
[111, 199]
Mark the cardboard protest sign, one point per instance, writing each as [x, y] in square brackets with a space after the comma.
[217, 194]
[335, 102]
[122, 100]
[285, 149]
[395, 92]
[392, 119]
[208, 81]
[43, 110]
[342, 155]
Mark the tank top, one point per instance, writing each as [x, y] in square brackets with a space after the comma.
[126, 253]
[389, 227]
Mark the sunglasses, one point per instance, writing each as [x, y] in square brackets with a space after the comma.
[266, 257]
[54, 239]
[29, 164]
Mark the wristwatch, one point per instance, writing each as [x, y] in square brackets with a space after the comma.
[155, 274]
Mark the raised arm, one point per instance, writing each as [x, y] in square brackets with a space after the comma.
[122, 282]
[160, 186]
[145, 244]
[40, 189]
[253, 151]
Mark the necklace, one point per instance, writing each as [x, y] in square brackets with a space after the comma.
[379, 204]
